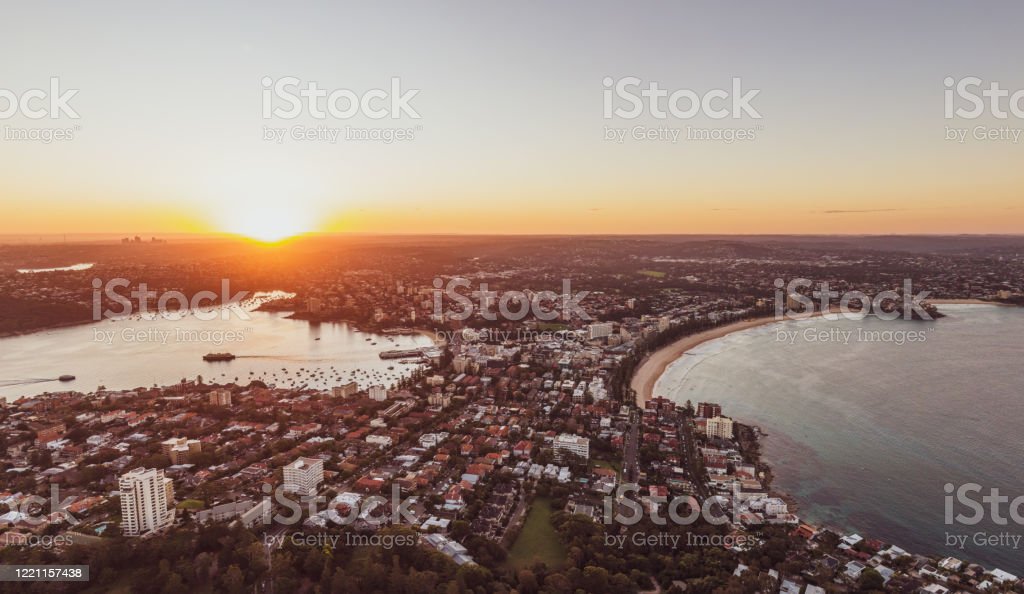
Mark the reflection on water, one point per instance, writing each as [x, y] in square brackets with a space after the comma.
[865, 433]
[135, 352]
[72, 268]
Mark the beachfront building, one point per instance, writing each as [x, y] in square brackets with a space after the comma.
[220, 397]
[709, 410]
[720, 427]
[378, 393]
[345, 391]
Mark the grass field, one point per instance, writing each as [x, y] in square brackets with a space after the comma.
[551, 327]
[616, 465]
[538, 539]
[191, 504]
[653, 273]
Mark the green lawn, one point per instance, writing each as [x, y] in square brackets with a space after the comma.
[538, 539]
[551, 327]
[653, 273]
[191, 504]
[616, 465]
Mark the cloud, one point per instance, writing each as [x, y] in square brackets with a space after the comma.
[860, 211]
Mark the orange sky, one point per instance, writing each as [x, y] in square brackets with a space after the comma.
[511, 133]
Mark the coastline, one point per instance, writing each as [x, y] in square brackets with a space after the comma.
[968, 302]
[655, 364]
[54, 326]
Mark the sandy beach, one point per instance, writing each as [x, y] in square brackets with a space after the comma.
[655, 364]
[966, 302]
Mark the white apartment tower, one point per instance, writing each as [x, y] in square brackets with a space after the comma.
[720, 427]
[146, 498]
[378, 393]
[573, 444]
[303, 476]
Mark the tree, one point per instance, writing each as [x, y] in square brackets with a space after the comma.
[174, 585]
[870, 581]
[527, 581]
[233, 580]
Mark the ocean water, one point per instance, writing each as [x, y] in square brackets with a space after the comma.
[867, 429]
[132, 353]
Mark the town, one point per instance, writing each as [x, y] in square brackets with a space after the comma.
[514, 457]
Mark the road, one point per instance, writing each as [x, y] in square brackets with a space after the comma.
[631, 454]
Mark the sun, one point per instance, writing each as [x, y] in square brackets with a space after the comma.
[269, 223]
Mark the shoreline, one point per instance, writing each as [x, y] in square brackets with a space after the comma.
[968, 302]
[654, 365]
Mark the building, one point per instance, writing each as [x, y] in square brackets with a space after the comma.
[579, 394]
[304, 476]
[600, 330]
[378, 393]
[443, 400]
[47, 433]
[313, 305]
[247, 512]
[147, 497]
[345, 391]
[573, 444]
[381, 441]
[720, 427]
[708, 410]
[178, 449]
[220, 397]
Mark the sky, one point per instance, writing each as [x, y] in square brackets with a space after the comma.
[511, 133]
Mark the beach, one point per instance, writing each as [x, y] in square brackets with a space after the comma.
[655, 364]
[651, 368]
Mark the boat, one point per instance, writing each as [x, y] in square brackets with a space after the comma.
[218, 357]
[66, 378]
[400, 354]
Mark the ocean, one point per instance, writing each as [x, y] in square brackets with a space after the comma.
[869, 423]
